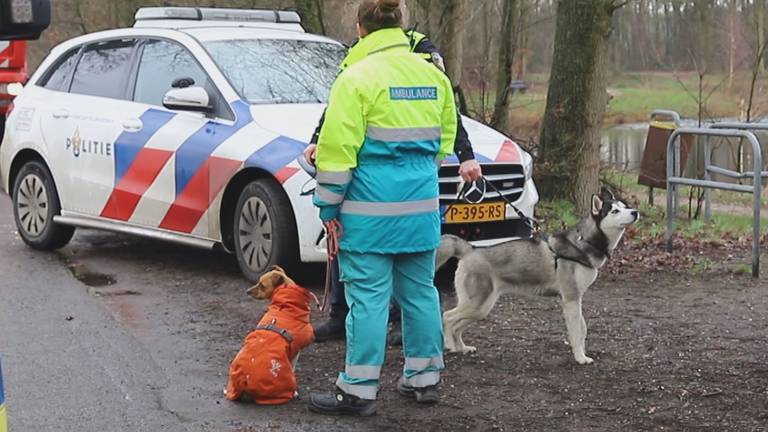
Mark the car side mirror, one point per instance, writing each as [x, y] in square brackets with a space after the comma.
[188, 99]
[24, 19]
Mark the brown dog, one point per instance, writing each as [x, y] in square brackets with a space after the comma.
[263, 370]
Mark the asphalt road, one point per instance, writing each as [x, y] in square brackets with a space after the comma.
[116, 333]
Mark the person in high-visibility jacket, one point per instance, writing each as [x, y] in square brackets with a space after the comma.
[469, 170]
[391, 118]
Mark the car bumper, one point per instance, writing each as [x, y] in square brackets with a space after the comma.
[479, 234]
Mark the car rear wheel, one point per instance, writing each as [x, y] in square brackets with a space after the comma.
[265, 232]
[35, 203]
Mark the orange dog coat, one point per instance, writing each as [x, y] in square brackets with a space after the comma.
[263, 368]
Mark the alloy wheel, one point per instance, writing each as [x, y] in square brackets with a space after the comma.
[255, 231]
[32, 205]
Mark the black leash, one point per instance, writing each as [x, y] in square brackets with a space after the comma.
[459, 198]
[532, 223]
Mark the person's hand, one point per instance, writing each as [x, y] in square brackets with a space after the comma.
[470, 170]
[310, 153]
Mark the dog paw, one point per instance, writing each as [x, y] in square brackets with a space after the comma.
[584, 360]
[468, 349]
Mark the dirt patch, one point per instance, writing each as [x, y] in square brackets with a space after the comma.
[673, 351]
[677, 346]
[85, 274]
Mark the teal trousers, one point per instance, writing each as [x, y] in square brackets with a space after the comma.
[371, 280]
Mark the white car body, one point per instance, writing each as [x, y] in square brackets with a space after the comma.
[145, 169]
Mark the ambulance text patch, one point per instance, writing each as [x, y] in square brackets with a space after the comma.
[413, 93]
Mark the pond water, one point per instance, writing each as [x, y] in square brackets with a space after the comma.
[621, 147]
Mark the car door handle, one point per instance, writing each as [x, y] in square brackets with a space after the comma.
[132, 125]
[61, 114]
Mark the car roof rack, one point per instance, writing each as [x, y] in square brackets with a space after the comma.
[217, 14]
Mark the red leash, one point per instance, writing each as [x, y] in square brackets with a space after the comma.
[333, 232]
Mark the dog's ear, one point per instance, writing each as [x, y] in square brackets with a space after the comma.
[597, 205]
[277, 268]
[278, 278]
[607, 194]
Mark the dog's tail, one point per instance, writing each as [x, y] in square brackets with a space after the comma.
[451, 246]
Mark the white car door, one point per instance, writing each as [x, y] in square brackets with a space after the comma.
[50, 105]
[174, 190]
[83, 128]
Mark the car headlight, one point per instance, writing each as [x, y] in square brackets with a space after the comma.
[527, 166]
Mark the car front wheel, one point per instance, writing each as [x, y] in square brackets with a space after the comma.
[35, 203]
[265, 232]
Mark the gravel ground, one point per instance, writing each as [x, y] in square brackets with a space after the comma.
[675, 348]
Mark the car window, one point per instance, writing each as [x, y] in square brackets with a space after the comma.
[162, 62]
[104, 69]
[277, 71]
[57, 76]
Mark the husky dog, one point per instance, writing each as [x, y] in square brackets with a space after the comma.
[564, 264]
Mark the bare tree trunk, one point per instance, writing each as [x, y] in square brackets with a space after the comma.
[80, 16]
[311, 12]
[451, 39]
[501, 114]
[731, 42]
[444, 22]
[760, 17]
[576, 100]
[520, 63]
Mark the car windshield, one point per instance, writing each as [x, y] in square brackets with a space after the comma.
[279, 71]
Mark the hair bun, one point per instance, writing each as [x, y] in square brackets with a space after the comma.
[388, 5]
[374, 15]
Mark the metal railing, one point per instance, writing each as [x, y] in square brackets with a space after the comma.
[676, 120]
[675, 178]
[666, 113]
[709, 168]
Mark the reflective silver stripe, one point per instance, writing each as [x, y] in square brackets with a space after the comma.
[421, 363]
[328, 196]
[361, 391]
[390, 208]
[334, 177]
[423, 379]
[362, 371]
[403, 134]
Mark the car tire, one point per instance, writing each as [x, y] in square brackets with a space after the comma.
[35, 203]
[264, 229]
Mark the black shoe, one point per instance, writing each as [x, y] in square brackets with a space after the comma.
[333, 329]
[423, 395]
[340, 403]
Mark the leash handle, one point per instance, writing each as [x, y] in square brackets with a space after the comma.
[333, 232]
[314, 297]
[328, 284]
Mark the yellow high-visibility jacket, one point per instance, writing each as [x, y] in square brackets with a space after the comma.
[391, 117]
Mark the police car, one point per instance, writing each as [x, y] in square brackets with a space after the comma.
[187, 128]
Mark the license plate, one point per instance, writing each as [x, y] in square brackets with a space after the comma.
[483, 212]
